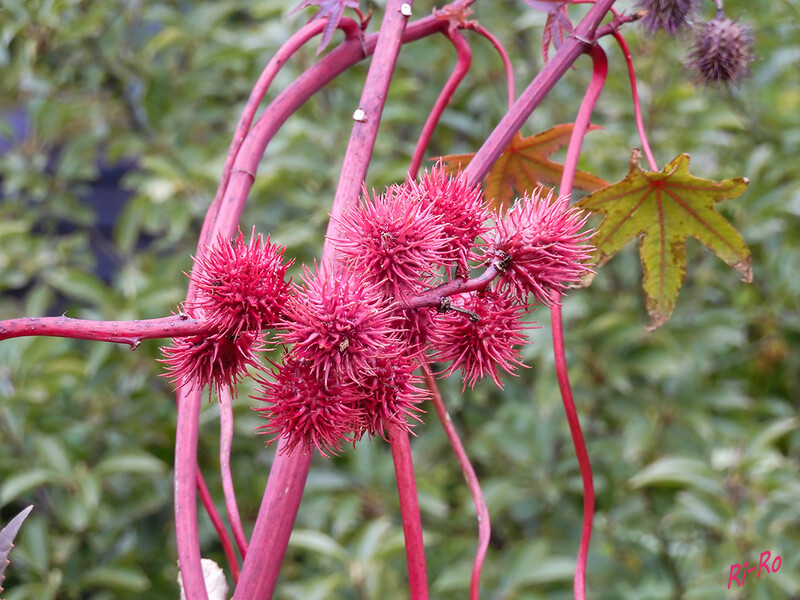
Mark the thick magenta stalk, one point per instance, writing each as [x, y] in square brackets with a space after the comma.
[409, 513]
[290, 469]
[185, 494]
[367, 115]
[274, 524]
[121, 332]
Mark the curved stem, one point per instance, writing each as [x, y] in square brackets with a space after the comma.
[456, 77]
[578, 442]
[599, 72]
[409, 513]
[480, 30]
[185, 494]
[225, 443]
[298, 39]
[484, 525]
[219, 526]
[435, 296]
[121, 332]
[290, 469]
[583, 119]
[637, 108]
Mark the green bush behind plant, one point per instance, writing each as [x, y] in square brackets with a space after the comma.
[692, 430]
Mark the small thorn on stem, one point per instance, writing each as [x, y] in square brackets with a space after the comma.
[446, 305]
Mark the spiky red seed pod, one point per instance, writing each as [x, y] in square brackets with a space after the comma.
[307, 412]
[241, 287]
[338, 324]
[542, 246]
[461, 207]
[390, 396]
[394, 240]
[669, 15]
[214, 360]
[479, 344]
[720, 54]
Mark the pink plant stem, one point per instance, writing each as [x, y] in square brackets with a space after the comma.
[578, 442]
[219, 526]
[600, 70]
[185, 494]
[456, 77]
[582, 120]
[435, 296]
[637, 107]
[122, 332]
[575, 45]
[290, 469]
[373, 99]
[225, 443]
[274, 524]
[480, 30]
[484, 525]
[409, 513]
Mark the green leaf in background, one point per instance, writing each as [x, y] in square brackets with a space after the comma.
[15, 486]
[139, 463]
[318, 542]
[675, 471]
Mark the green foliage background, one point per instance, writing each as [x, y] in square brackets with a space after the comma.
[692, 429]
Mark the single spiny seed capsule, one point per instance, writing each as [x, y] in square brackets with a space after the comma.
[540, 247]
[394, 241]
[215, 360]
[720, 54]
[461, 208]
[480, 335]
[669, 15]
[339, 323]
[241, 287]
[307, 412]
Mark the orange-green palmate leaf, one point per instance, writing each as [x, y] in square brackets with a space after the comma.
[525, 165]
[665, 208]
